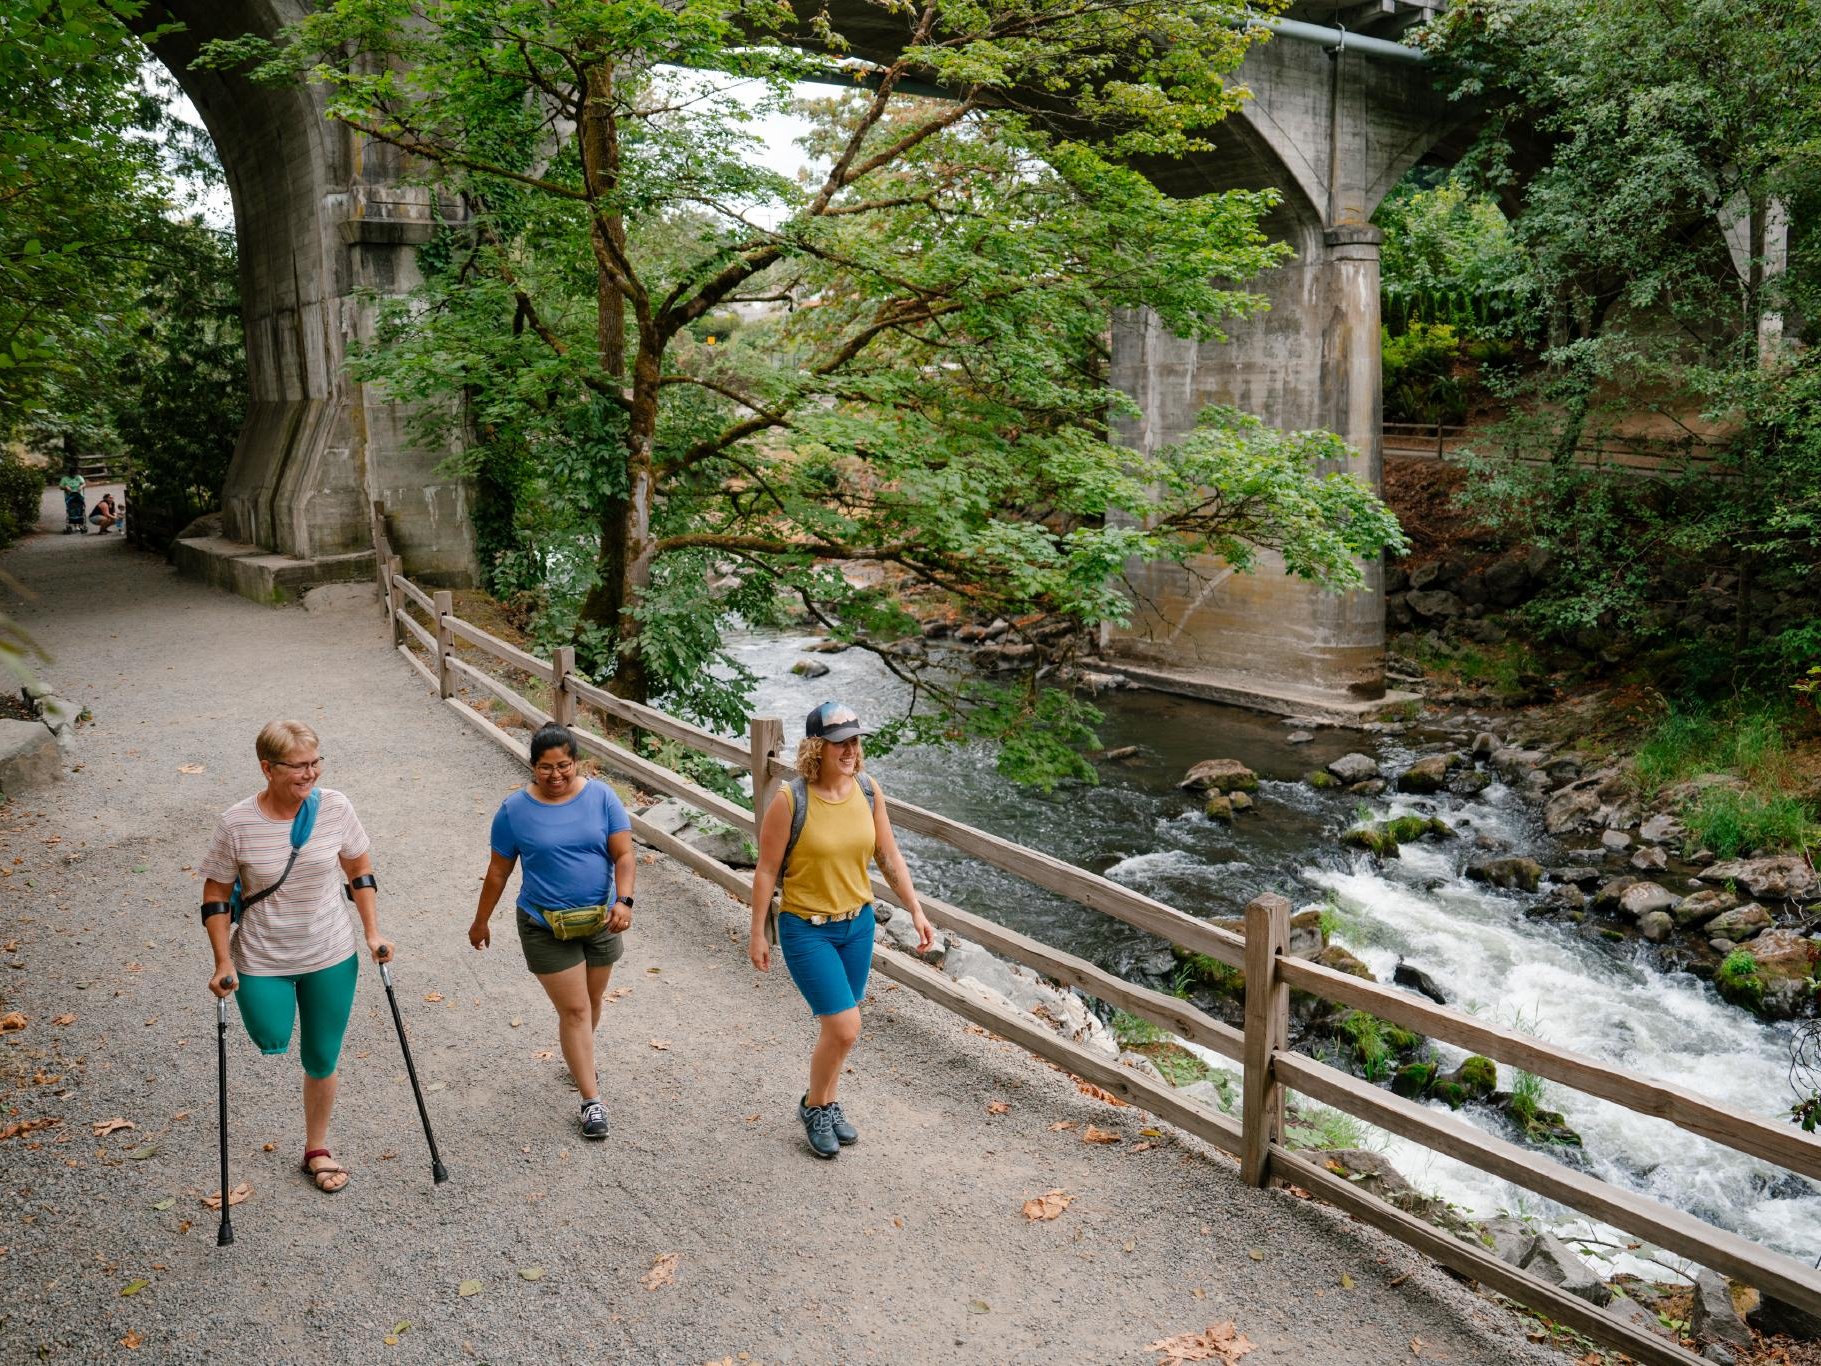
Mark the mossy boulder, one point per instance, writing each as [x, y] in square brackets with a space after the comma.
[1374, 839]
[1321, 779]
[1219, 809]
[1382, 838]
[1475, 1079]
[1427, 775]
[1220, 775]
[1407, 829]
[1414, 1079]
[1513, 874]
[1334, 956]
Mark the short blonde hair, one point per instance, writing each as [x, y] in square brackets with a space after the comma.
[279, 738]
[809, 757]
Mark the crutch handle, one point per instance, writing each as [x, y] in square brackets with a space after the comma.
[221, 1009]
[385, 972]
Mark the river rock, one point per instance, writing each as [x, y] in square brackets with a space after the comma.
[1646, 898]
[1241, 801]
[1580, 875]
[1781, 877]
[1370, 788]
[828, 647]
[1354, 768]
[1615, 840]
[1607, 897]
[1567, 897]
[724, 844]
[1712, 1317]
[1741, 923]
[1485, 744]
[1785, 959]
[1469, 782]
[1775, 1316]
[1409, 975]
[1514, 764]
[1219, 809]
[1220, 775]
[670, 816]
[1650, 860]
[1573, 808]
[899, 933]
[1426, 775]
[971, 634]
[809, 668]
[1700, 907]
[1508, 1238]
[1320, 779]
[1550, 1260]
[1204, 1093]
[1656, 926]
[998, 628]
[1661, 829]
[1298, 737]
[1122, 752]
[1515, 874]
[1143, 1066]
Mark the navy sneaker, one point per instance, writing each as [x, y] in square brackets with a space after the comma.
[845, 1133]
[819, 1128]
[594, 1119]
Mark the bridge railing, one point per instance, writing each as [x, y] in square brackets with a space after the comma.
[429, 635]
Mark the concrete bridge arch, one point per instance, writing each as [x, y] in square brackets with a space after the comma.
[324, 223]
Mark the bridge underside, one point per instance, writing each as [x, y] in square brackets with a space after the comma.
[324, 225]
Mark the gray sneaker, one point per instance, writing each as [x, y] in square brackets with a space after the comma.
[594, 1120]
[845, 1133]
[819, 1128]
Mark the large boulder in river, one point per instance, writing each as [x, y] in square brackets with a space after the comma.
[1782, 876]
[1739, 924]
[1513, 874]
[1354, 768]
[1702, 907]
[1220, 775]
[1645, 898]
[1783, 961]
[1427, 775]
[1656, 926]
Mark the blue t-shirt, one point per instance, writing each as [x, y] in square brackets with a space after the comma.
[562, 850]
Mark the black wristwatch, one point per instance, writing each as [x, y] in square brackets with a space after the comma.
[627, 900]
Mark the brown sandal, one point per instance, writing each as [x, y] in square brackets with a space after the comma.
[316, 1174]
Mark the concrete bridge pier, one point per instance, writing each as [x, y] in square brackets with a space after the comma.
[1333, 131]
[324, 223]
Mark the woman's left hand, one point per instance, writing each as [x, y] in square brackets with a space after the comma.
[926, 932]
[381, 948]
[620, 919]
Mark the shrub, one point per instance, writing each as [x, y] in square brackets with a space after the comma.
[1738, 980]
[21, 487]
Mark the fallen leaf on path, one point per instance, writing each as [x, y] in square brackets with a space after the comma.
[662, 1045]
[271, 1148]
[515, 1022]
[10, 1021]
[1257, 1254]
[752, 1119]
[104, 1127]
[663, 1271]
[388, 1157]
[618, 992]
[25, 1126]
[1062, 1124]
[133, 1287]
[468, 1289]
[1217, 1342]
[1144, 1147]
[1416, 1347]
[1298, 1192]
[189, 768]
[531, 1273]
[236, 1196]
[165, 1203]
[1150, 1133]
[1399, 1279]
[979, 1307]
[1346, 1281]
[998, 1107]
[1087, 1088]
[132, 1341]
[1131, 1245]
[141, 1154]
[433, 996]
[1094, 1135]
[544, 1055]
[1046, 1206]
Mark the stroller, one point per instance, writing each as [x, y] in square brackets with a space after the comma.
[75, 512]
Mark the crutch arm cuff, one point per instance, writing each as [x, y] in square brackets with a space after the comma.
[365, 880]
[212, 908]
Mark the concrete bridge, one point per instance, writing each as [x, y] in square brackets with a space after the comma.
[323, 219]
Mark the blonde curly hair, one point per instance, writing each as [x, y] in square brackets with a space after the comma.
[809, 757]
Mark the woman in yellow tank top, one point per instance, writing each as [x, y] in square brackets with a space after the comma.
[825, 929]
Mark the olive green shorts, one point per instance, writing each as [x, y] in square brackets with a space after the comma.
[545, 953]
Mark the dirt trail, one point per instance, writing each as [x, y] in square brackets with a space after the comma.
[910, 1247]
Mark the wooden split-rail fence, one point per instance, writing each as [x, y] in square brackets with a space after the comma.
[426, 631]
[1650, 457]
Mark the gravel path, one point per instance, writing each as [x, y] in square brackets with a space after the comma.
[911, 1247]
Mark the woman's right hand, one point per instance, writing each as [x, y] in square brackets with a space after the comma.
[480, 933]
[759, 951]
[223, 983]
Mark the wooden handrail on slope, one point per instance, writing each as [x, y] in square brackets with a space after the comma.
[1262, 1047]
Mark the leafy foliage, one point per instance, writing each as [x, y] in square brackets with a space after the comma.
[916, 393]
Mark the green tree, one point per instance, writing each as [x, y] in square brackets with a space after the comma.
[927, 393]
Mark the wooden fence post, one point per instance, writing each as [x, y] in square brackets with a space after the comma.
[445, 640]
[767, 742]
[395, 599]
[382, 553]
[1441, 451]
[1267, 1031]
[562, 701]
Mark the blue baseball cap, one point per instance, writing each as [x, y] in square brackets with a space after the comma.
[832, 721]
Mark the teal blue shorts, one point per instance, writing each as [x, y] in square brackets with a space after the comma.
[323, 1000]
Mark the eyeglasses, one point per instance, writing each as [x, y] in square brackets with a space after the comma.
[560, 771]
[308, 766]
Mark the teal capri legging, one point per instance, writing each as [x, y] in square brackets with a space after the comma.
[322, 999]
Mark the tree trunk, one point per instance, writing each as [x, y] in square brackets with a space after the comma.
[624, 560]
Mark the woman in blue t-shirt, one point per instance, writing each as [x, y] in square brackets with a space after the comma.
[575, 841]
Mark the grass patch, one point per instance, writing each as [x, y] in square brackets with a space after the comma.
[1133, 1031]
[1747, 737]
[1308, 1125]
[1738, 980]
[1501, 667]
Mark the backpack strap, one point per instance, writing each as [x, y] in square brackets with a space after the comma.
[303, 825]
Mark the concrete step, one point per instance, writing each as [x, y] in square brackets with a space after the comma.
[264, 575]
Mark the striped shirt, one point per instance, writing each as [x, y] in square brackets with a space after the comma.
[305, 925]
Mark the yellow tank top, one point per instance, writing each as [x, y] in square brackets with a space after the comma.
[827, 871]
